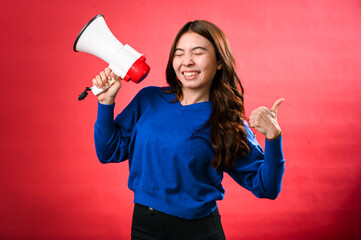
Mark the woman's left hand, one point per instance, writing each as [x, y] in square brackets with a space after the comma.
[264, 120]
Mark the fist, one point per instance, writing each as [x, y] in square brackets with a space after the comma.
[264, 120]
[104, 79]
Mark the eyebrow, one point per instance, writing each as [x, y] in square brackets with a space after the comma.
[195, 48]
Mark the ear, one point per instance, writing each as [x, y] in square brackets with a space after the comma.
[219, 67]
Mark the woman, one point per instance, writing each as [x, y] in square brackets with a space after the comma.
[180, 139]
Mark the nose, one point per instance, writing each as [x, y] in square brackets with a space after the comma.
[187, 60]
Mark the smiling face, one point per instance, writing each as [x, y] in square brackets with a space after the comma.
[195, 62]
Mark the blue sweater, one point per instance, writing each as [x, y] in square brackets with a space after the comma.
[169, 169]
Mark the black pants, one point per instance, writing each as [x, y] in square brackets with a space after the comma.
[149, 224]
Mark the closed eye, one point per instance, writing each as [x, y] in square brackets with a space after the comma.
[178, 52]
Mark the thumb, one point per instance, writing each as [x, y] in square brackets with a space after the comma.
[276, 105]
[115, 77]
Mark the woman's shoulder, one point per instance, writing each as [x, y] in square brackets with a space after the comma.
[155, 92]
[150, 90]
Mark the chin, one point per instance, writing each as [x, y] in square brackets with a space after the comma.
[190, 86]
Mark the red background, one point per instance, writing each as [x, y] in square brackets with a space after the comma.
[307, 51]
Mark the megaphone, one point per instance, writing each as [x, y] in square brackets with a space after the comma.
[95, 38]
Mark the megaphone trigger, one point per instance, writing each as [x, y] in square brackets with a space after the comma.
[96, 91]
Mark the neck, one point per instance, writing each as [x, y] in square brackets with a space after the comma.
[194, 96]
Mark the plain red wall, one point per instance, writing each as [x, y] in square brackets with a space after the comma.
[307, 51]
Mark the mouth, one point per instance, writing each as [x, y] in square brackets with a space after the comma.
[190, 74]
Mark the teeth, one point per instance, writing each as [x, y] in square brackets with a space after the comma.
[190, 74]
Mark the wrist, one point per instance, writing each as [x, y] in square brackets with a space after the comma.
[274, 135]
[107, 101]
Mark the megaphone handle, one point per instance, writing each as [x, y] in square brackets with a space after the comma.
[96, 91]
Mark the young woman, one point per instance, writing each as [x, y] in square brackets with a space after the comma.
[181, 139]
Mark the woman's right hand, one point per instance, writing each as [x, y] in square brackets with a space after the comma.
[102, 81]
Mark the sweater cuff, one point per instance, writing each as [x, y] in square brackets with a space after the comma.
[273, 150]
[105, 114]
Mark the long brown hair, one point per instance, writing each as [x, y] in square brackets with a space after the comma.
[228, 136]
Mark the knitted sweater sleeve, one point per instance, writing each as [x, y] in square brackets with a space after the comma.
[261, 172]
[112, 137]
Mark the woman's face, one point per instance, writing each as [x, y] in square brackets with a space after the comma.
[195, 62]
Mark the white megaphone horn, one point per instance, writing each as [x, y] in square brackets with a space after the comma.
[96, 39]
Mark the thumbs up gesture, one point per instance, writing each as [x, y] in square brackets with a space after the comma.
[264, 120]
